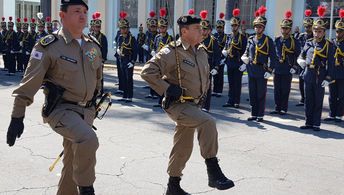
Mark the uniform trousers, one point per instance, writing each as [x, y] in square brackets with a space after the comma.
[336, 98]
[257, 92]
[141, 54]
[80, 144]
[11, 59]
[119, 74]
[282, 84]
[188, 118]
[302, 89]
[314, 96]
[207, 101]
[218, 80]
[20, 64]
[235, 83]
[127, 75]
[26, 59]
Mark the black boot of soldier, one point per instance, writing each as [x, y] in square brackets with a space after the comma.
[173, 187]
[88, 190]
[216, 178]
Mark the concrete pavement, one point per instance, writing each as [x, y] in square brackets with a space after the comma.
[273, 157]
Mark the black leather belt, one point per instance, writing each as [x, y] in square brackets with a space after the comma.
[82, 104]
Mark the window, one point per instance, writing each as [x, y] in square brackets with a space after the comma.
[313, 5]
[130, 6]
[247, 10]
[209, 5]
[170, 9]
[27, 9]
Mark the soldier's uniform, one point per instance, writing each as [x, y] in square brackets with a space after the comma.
[33, 26]
[49, 25]
[162, 75]
[141, 37]
[221, 38]
[288, 50]
[303, 37]
[127, 54]
[214, 56]
[259, 51]
[4, 47]
[19, 56]
[12, 45]
[26, 43]
[41, 30]
[336, 98]
[319, 60]
[119, 70]
[234, 49]
[63, 61]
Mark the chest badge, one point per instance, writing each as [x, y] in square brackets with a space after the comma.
[92, 54]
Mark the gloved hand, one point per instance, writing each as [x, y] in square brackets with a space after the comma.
[11, 51]
[27, 53]
[301, 62]
[15, 130]
[173, 92]
[118, 51]
[242, 68]
[267, 75]
[223, 62]
[325, 83]
[152, 53]
[225, 52]
[292, 71]
[21, 43]
[145, 47]
[213, 72]
[245, 59]
[130, 65]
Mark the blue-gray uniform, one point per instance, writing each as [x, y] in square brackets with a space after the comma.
[40, 35]
[236, 45]
[12, 45]
[102, 40]
[336, 98]
[119, 70]
[150, 36]
[319, 58]
[287, 50]
[303, 39]
[214, 56]
[27, 47]
[218, 78]
[128, 48]
[19, 56]
[259, 51]
[141, 37]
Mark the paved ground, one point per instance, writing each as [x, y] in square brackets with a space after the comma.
[274, 157]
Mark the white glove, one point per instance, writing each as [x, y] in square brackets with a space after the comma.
[222, 62]
[21, 43]
[325, 83]
[27, 53]
[292, 71]
[301, 62]
[245, 59]
[119, 52]
[242, 68]
[130, 65]
[225, 52]
[152, 53]
[11, 51]
[213, 72]
[145, 47]
[267, 75]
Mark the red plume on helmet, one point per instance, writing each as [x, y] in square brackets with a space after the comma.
[262, 10]
[203, 14]
[191, 11]
[256, 13]
[25, 20]
[18, 20]
[221, 15]
[163, 12]
[341, 13]
[48, 19]
[122, 14]
[321, 11]
[288, 14]
[10, 18]
[33, 20]
[152, 14]
[93, 16]
[97, 15]
[236, 12]
[308, 12]
[3, 18]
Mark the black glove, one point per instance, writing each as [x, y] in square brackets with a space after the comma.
[173, 92]
[15, 130]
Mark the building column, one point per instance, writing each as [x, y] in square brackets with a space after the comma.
[143, 7]
[9, 9]
[275, 15]
[46, 8]
[298, 13]
[55, 8]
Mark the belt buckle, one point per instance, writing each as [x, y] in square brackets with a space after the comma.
[83, 104]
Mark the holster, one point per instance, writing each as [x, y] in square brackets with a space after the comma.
[166, 102]
[53, 95]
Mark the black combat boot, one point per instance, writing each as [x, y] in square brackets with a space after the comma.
[216, 178]
[88, 190]
[173, 187]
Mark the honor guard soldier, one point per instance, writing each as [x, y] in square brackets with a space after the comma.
[26, 43]
[4, 46]
[260, 48]
[141, 37]
[288, 50]
[307, 35]
[49, 25]
[214, 54]
[69, 64]
[41, 27]
[221, 38]
[127, 52]
[180, 72]
[317, 58]
[101, 38]
[12, 45]
[33, 29]
[234, 49]
[19, 56]
[336, 98]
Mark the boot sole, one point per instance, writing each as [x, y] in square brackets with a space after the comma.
[223, 187]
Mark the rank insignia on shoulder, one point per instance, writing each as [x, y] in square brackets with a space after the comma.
[47, 40]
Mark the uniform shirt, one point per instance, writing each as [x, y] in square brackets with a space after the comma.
[287, 51]
[27, 42]
[141, 37]
[259, 60]
[102, 40]
[319, 66]
[128, 47]
[65, 63]
[235, 45]
[213, 50]
[150, 36]
[339, 59]
[161, 71]
[160, 41]
[11, 41]
[221, 39]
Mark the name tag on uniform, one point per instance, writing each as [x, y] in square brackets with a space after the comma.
[68, 59]
[189, 63]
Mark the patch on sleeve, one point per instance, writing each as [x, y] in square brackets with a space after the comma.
[165, 50]
[36, 54]
[47, 40]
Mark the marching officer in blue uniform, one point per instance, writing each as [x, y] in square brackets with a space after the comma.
[317, 58]
[336, 98]
[4, 47]
[213, 51]
[303, 37]
[12, 45]
[288, 50]
[141, 37]
[127, 52]
[19, 56]
[221, 39]
[26, 43]
[260, 49]
[234, 49]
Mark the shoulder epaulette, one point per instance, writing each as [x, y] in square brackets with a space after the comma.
[202, 46]
[173, 43]
[94, 40]
[47, 40]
